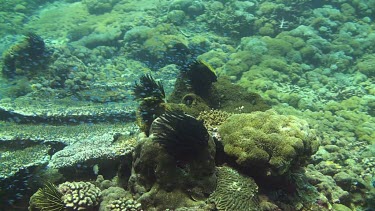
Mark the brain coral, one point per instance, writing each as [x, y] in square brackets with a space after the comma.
[267, 141]
[234, 191]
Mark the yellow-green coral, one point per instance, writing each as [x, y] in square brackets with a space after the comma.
[271, 142]
[80, 195]
[213, 118]
[366, 65]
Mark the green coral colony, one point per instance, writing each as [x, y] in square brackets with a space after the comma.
[238, 105]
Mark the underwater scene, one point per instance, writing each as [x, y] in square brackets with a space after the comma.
[187, 105]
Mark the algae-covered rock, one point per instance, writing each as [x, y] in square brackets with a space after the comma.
[326, 185]
[366, 65]
[182, 175]
[116, 198]
[272, 144]
[26, 57]
[340, 207]
[233, 98]
[165, 49]
[99, 7]
[176, 16]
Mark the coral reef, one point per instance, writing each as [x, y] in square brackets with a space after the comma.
[311, 59]
[326, 185]
[63, 111]
[199, 89]
[365, 65]
[117, 199]
[236, 99]
[79, 195]
[234, 191]
[22, 166]
[159, 46]
[67, 196]
[99, 7]
[273, 144]
[124, 204]
[159, 173]
[26, 57]
[212, 119]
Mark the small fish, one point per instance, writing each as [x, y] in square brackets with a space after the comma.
[95, 168]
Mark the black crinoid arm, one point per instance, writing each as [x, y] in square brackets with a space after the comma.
[201, 76]
[148, 87]
[180, 134]
[36, 43]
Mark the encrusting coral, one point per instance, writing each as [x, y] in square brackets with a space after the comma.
[271, 143]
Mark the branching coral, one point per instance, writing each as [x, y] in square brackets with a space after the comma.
[118, 199]
[213, 118]
[124, 204]
[80, 195]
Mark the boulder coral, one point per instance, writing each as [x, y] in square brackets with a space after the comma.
[234, 191]
[271, 143]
